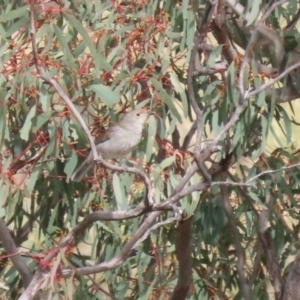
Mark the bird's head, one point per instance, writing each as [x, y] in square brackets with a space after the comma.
[136, 116]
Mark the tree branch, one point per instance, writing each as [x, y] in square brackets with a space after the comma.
[245, 288]
[184, 253]
[273, 171]
[258, 27]
[291, 288]
[11, 249]
[198, 39]
[188, 137]
[273, 81]
[265, 239]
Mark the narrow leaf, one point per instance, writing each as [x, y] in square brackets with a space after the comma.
[100, 62]
[24, 134]
[118, 191]
[166, 98]
[105, 94]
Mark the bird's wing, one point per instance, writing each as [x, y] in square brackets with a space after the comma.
[104, 136]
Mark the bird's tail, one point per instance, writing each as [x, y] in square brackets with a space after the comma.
[81, 171]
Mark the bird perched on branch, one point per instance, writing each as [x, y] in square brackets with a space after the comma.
[118, 141]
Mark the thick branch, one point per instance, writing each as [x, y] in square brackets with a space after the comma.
[184, 254]
[11, 249]
[265, 239]
[238, 244]
[291, 288]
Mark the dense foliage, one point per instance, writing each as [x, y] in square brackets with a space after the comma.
[208, 205]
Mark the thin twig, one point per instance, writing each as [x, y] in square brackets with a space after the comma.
[240, 9]
[232, 183]
[133, 170]
[188, 137]
[242, 105]
[272, 171]
[273, 81]
[156, 226]
[252, 40]
[198, 39]
[230, 123]
[270, 10]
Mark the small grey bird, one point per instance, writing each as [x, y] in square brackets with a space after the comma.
[118, 141]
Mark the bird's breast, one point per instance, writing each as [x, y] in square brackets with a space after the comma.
[120, 144]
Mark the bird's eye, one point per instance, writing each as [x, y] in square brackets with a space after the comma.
[138, 115]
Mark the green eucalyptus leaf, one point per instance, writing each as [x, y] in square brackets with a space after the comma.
[255, 10]
[98, 59]
[105, 94]
[166, 98]
[119, 192]
[14, 14]
[27, 126]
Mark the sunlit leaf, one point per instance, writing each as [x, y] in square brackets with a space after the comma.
[119, 192]
[14, 14]
[254, 11]
[105, 94]
[98, 59]
[166, 98]
[24, 134]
